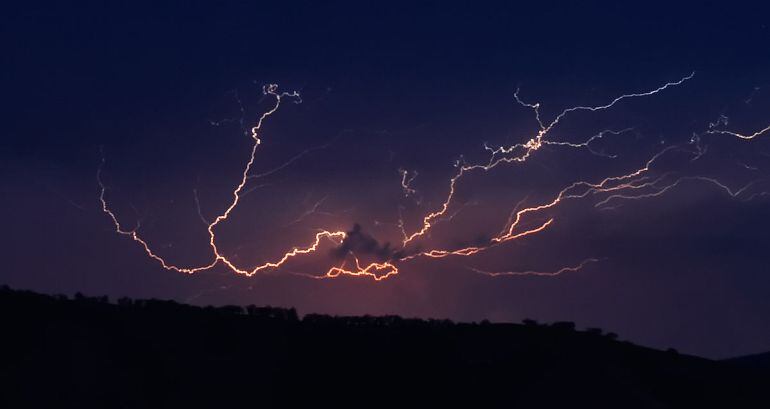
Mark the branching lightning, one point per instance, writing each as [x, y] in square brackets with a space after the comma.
[505, 154]
[524, 220]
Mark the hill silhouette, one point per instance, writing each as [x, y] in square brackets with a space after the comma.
[88, 352]
[759, 362]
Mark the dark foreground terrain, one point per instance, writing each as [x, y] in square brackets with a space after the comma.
[87, 352]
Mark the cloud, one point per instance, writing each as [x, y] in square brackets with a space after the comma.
[361, 243]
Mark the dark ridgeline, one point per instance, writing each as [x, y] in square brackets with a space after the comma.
[87, 352]
[756, 361]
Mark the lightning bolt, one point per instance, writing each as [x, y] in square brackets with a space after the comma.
[523, 220]
[294, 159]
[218, 257]
[499, 154]
[560, 271]
[740, 135]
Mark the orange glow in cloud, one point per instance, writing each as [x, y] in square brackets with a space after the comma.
[633, 185]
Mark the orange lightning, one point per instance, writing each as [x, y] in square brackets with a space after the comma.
[636, 184]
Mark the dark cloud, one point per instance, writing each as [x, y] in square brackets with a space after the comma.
[361, 243]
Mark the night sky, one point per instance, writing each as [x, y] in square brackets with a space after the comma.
[163, 97]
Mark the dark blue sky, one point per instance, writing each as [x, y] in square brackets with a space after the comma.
[411, 85]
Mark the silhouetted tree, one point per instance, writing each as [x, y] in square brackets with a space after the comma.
[563, 326]
[594, 331]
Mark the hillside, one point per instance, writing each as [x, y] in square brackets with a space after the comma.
[87, 352]
[759, 362]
